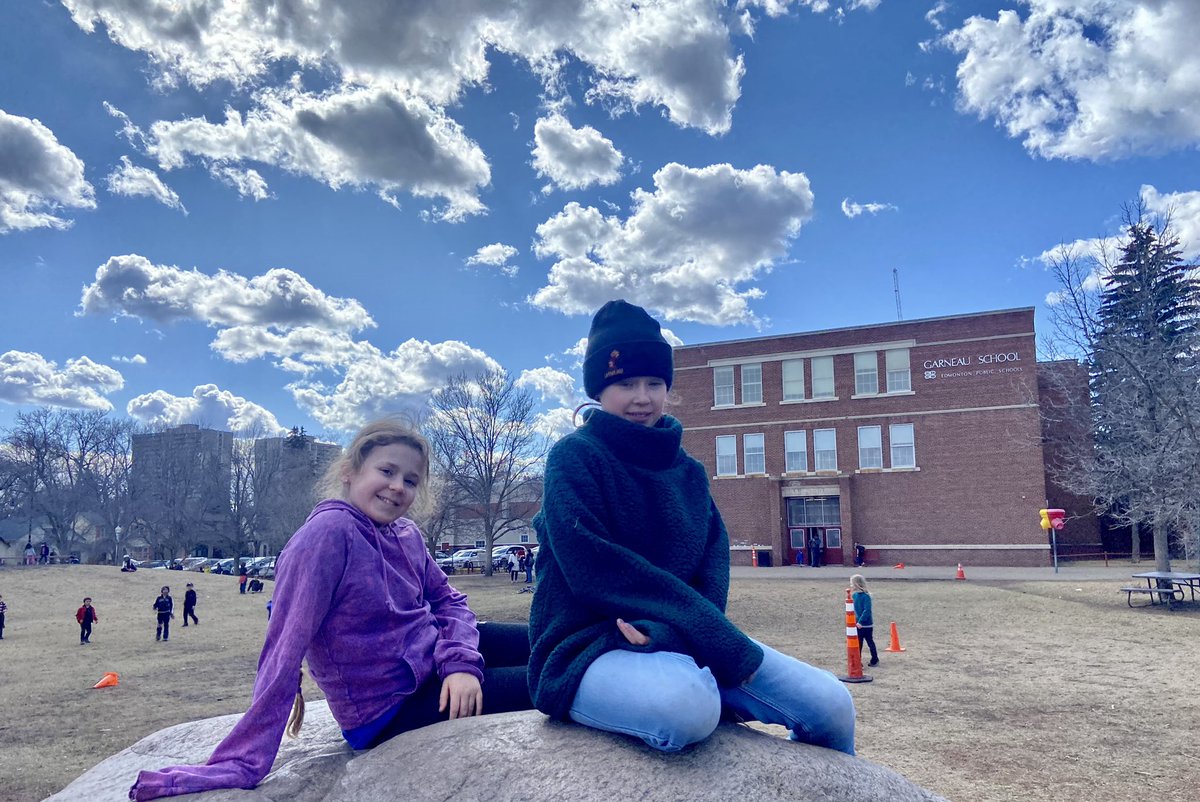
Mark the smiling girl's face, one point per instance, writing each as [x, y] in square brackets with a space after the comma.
[385, 486]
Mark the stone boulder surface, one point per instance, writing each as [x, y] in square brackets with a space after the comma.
[515, 757]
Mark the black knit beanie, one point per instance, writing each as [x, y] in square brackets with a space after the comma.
[624, 342]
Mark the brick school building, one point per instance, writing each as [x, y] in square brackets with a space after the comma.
[921, 440]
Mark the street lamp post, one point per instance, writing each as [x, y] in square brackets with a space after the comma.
[117, 536]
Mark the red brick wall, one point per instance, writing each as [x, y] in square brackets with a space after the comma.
[977, 435]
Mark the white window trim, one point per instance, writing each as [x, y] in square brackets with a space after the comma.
[732, 387]
[913, 445]
[718, 455]
[761, 389]
[816, 469]
[746, 453]
[804, 437]
[872, 468]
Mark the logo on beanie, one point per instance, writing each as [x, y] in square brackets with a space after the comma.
[613, 370]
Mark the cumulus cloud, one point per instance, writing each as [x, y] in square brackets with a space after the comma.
[133, 181]
[38, 177]
[555, 423]
[132, 285]
[687, 249]
[1098, 79]
[495, 255]
[136, 359]
[303, 349]
[379, 384]
[248, 183]
[852, 209]
[359, 137]
[553, 385]
[573, 158]
[29, 378]
[677, 56]
[208, 405]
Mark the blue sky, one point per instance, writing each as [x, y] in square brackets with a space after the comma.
[214, 216]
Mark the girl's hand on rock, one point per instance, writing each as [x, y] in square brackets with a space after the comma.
[461, 695]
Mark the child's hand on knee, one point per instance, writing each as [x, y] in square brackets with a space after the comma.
[462, 695]
[632, 633]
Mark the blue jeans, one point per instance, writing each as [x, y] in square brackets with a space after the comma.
[668, 701]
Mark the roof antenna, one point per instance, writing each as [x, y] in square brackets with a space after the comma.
[896, 290]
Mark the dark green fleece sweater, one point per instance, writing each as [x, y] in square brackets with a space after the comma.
[628, 529]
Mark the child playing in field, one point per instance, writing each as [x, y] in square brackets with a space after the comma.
[164, 605]
[86, 616]
[862, 614]
[628, 626]
[389, 641]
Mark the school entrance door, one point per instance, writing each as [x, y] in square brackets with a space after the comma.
[819, 517]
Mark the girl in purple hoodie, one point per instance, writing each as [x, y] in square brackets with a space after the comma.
[387, 639]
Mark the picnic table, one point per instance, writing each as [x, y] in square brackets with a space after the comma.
[1163, 587]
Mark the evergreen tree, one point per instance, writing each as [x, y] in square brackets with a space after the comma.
[1144, 386]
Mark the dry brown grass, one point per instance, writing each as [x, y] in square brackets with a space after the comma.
[1007, 691]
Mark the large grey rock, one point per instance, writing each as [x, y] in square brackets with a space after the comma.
[517, 757]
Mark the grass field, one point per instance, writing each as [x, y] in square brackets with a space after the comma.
[1049, 691]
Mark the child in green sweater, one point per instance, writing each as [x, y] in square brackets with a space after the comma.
[628, 629]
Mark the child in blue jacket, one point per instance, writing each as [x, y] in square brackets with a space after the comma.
[862, 614]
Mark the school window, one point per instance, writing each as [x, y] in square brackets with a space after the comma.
[723, 387]
[870, 447]
[899, 379]
[751, 384]
[524, 538]
[755, 453]
[825, 449]
[795, 452]
[904, 453]
[727, 455]
[793, 380]
[866, 374]
[822, 377]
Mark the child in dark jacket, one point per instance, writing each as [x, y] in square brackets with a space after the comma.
[628, 626]
[86, 616]
[164, 605]
[863, 616]
[391, 644]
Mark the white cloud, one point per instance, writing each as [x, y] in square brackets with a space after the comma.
[133, 181]
[852, 209]
[686, 248]
[553, 385]
[208, 405]
[495, 255]
[38, 177]
[573, 158]
[302, 349]
[934, 15]
[131, 285]
[676, 55]
[248, 183]
[136, 359]
[359, 138]
[1096, 79]
[555, 424]
[379, 384]
[29, 378]
[671, 337]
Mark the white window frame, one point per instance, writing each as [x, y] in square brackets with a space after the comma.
[793, 384]
[899, 372]
[754, 448]
[866, 373]
[819, 388]
[870, 447]
[818, 452]
[900, 443]
[727, 440]
[719, 386]
[795, 460]
[752, 388]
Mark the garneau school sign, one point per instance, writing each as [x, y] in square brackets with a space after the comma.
[932, 366]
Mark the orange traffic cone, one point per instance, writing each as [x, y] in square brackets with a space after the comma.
[960, 574]
[895, 646]
[898, 565]
[854, 672]
[110, 680]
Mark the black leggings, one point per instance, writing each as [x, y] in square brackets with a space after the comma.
[505, 650]
[867, 634]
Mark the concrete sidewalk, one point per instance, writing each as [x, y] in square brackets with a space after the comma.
[1120, 570]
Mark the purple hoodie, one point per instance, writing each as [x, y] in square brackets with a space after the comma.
[373, 615]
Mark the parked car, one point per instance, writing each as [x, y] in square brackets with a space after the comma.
[460, 559]
[500, 554]
[263, 568]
